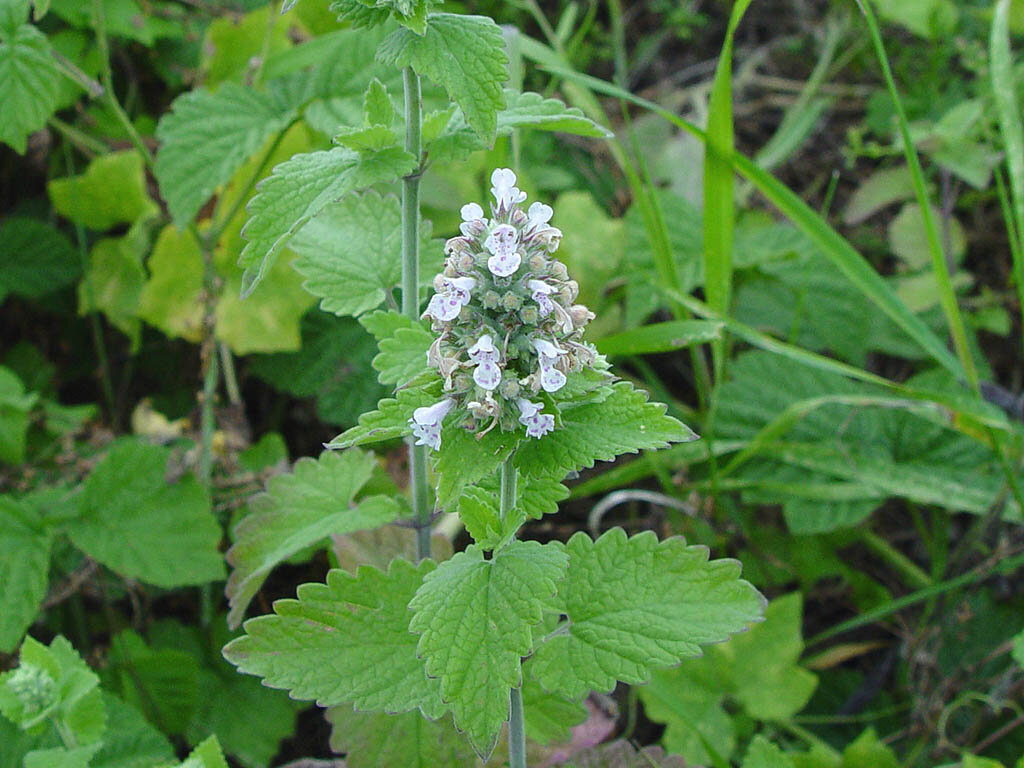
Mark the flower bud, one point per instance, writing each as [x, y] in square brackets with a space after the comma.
[509, 388]
[529, 315]
[511, 301]
[537, 263]
[580, 315]
[465, 262]
[491, 299]
[559, 271]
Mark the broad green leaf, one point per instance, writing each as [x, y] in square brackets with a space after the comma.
[1017, 651]
[162, 683]
[636, 604]
[346, 641]
[350, 254]
[391, 419]
[370, 138]
[124, 18]
[763, 754]
[299, 509]
[380, 740]
[332, 365]
[908, 240]
[206, 755]
[300, 189]
[35, 258]
[360, 14]
[137, 524]
[130, 741]
[623, 423]
[23, 570]
[478, 511]
[112, 191]
[29, 82]
[232, 41]
[403, 345]
[474, 618]
[465, 460]
[18, 743]
[928, 18]
[531, 110]
[70, 695]
[206, 137]
[61, 757]
[15, 405]
[548, 716]
[880, 190]
[868, 751]
[113, 282]
[660, 337]
[463, 54]
[171, 298]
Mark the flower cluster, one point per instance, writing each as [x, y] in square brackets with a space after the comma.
[506, 323]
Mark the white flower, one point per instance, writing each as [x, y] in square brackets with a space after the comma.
[447, 304]
[426, 422]
[502, 242]
[541, 293]
[503, 187]
[538, 215]
[537, 424]
[471, 212]
[487, 373]
[472, 220]
[551, 379]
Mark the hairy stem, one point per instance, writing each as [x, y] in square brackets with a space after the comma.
[516, 725]
[411, 294]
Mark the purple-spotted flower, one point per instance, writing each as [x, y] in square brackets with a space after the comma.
[487, 374]
[502, 244]
[426, 422]
[537, 424]
[505, 323]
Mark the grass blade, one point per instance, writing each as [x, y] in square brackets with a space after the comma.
[660, 337]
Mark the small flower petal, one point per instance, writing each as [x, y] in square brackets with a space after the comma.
[472, 212]
[551, 379]
[487, 375]
[545, 349]
[504, 266]
[426, 422]
[484, 350]
[537, 424]
[538, 215]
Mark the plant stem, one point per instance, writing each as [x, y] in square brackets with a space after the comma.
[411, 294]
[227, 364]
[516, 724]
[915, 577]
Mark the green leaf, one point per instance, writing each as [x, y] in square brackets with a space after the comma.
[465, 460]
[623, 423]
[332, 365]
[300, 189]
[71, 695]
[232, 40]
[636, 604]
[391, 419]
[1017, 651]
[660, 337]
[463, 54]
[377, 106]
[381, 740]
[23, 570]
[171, 298]
[346, 641]
[15, 405]
[359, 14]
[29, 82]
[880, 190]
[206, 755]
[623, 754]
[161, 682]
[130, 741]
[868, 751]
[35, 258]
[114, 279]
[371, 138]
[112, 191]
[123, 18]
[137, 524]
[474, 618]
[403, 344]
[206, 137]
[298, 510]
[548, 716]
[61, 757]
[478, 511]
[763, 754]
[531, 110]
[350, 254]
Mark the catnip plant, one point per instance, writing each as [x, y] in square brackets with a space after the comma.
[499, 398]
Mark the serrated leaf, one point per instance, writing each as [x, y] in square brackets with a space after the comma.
[465, 459]
[350, 254]
[403, 344]
[377, 106]
[61, 757]
[391, 419]
[137, 524]
[379, 740]
[114, 279]
[370, 138]
[763, 754]
[23, 570]
[623, 423]
[548, 716]
[636, 604]
[359, 14]
[15, 405]
[29, 83]
[301, 188]
[474, 618]
[478, 511]
[346, 641]
[206, 755]
[463, 54]
[206, 137]
[298, 510]
[112, 191]
[35, 258]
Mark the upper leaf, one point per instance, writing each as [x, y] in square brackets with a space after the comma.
[137, 524]
[23, 569]
[622, 423]
[474, 616]
[376, 740]
[29, 83]
[302, 187]
[463, 54]
[635, 604]
[300, 509]
[403, 344]
[112, 191]
[391, 419]
[206, 137]
[346, 641]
